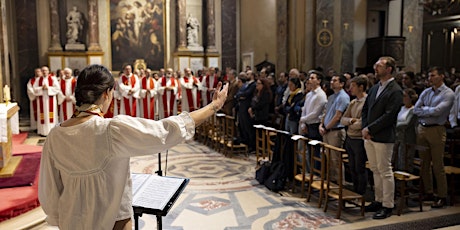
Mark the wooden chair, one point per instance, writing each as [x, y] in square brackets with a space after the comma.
[317, 175]
[261, 151]
[301, 173]
[338, 191]
[230, 132]
[219, 132]
[452, 171]
[404, 177]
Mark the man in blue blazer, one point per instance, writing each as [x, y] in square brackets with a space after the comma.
[379, 117]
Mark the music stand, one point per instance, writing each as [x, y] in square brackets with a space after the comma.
[159, 213]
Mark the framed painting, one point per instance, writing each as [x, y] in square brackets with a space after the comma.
[137, 32]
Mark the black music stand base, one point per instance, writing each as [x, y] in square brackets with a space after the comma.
[159, 218]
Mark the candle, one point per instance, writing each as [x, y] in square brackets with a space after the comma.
[6, 93]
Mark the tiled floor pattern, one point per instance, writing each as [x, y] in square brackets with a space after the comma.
[222, 194]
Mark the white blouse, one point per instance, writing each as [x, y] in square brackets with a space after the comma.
[85, 175]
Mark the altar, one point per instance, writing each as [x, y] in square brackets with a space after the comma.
[9, 125]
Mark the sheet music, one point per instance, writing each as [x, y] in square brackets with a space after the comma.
[138, 180]
[155, 192]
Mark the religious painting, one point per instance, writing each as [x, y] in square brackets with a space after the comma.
[137, 32]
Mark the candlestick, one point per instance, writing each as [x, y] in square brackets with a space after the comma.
[6, 93]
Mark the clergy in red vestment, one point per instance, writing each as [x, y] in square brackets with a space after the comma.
[33, 82]
[114, 107]
[167, 93]
[209, 85]
[147, 94]
[66, 99]
[191, 95]
[46, 88]
[129, 87]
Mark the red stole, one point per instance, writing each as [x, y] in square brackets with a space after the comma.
[191, 103]
[64, 105]
[167, 112]
[51, 102]
[214, 85]
[126, 81]
[147, 110]
[34, 102]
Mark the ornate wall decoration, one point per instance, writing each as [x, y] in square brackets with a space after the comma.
[138, 32]
[324, 37]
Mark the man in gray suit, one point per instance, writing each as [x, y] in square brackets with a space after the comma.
[379, 118]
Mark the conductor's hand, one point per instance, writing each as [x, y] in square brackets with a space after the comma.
[220, 95]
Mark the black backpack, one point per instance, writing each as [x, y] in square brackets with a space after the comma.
[263, 172]
[275, 182]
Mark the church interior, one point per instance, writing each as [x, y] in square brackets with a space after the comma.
[269, 36]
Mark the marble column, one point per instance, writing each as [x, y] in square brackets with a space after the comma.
[181, 25]
[394, 17]
[325, 20]
[93, 29]
[211, 27]
[281, 38]
[347, 31]
[55, 34]
[413, 32]
[229, 34]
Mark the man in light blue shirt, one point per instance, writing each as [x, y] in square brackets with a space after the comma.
[432, 108]
[330, 128]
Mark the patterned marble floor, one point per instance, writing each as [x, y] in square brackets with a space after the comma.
[223, 194]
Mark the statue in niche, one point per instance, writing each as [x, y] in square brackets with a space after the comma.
[74, 25]
[193, 27]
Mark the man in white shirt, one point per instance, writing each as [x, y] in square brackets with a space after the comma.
[190, 86]
[313, 107]
[129, 88]
[67, 96]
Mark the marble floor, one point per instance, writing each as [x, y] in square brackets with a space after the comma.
[223, 194]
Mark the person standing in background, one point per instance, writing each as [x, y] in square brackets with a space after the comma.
[379, 116]
[67, 95]
[432, 109]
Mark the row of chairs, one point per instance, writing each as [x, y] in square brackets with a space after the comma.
[219, 132]
[320, 178]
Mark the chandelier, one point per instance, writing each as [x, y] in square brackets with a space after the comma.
[438, 7]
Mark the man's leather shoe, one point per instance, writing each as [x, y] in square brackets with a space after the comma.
[373, 207]
[440, 203]
[428, 197]
[382, 213]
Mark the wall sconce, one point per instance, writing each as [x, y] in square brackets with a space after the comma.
[325, 23]
[345, 25]
[455, 30]
[410, 28]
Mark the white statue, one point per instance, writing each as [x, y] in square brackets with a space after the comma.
[193, 27]
[74, 25]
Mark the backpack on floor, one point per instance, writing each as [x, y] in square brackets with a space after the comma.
[277, 179]
[263, 172]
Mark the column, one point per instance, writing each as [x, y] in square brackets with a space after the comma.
[412, 30]
[282, 37]
[229, 38]
[93, 28]
[55, 34]
[211, 27]
[181, 24]
[394, 17]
